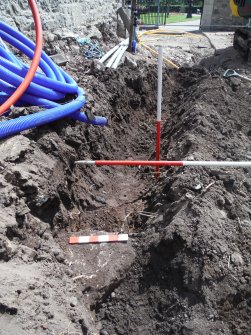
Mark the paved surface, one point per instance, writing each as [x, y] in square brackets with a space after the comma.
[184, 26]
[220, 40]
[190, 48]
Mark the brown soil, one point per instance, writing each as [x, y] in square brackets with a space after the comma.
[186, 268]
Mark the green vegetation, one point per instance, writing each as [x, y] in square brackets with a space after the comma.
[182, 2]
[152, 18]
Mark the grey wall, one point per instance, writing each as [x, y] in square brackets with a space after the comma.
[218, 13]
[56, 14]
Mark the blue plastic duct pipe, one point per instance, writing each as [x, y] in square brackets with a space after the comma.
[45, 90]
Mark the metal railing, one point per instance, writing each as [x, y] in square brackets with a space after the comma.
[153, 12]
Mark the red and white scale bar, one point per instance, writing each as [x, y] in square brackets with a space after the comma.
[98, 239]
[166, 163]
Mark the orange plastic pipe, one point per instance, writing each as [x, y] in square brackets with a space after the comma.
[34, 64]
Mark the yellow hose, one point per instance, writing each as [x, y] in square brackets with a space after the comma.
[166, 60]
[167, 33]
[163, 32]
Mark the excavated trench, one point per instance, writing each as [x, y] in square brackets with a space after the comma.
[186, 268]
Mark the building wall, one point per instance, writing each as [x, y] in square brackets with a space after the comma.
[218, 13]
[57, 14]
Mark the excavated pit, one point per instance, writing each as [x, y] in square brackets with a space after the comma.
[186, 268]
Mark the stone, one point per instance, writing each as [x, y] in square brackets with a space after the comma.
[75, 49]
[22, 209]
[130, 63]
[247, 183]
[96, 67]
[103, 332]
[46, 236]
[228, 180]
[59, 59]
[68, 35]
[7, 218]
[14, 148]
[58, 255]
[100, 199]
[197, 187]
[237, 259]
[243, 280]
[28, 254]
[73, 302]
[7, 248]
[56, 252]
[51, 37]
[189, 196]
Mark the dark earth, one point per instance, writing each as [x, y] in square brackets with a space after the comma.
[186, 268]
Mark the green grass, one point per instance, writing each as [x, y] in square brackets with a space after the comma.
[152, 18]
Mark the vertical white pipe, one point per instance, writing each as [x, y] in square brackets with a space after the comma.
[159, 99]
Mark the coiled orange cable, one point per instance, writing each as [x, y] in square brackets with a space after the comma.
[34, 64]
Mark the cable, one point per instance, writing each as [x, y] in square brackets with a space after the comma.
[34, 65]
[166, 60]
[91, 49]
[163, 32]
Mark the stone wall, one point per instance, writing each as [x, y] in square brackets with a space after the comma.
[217, 15]
[55, 14]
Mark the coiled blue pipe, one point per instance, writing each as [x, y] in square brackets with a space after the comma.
[45, 90]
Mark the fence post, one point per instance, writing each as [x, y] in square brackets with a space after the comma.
[158, 12]
[190, 9]
[133, 8]
[167, 9]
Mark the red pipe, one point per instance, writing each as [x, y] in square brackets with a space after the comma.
[34, 64]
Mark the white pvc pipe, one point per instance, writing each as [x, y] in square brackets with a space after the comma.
[114, 56]
[159, 101]
[219, 163]
[112, 51]
[117, 60]
[108, 54]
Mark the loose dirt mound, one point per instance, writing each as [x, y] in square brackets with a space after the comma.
[186, 268]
